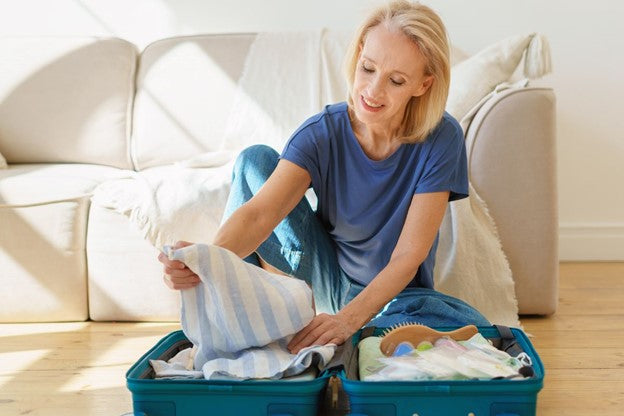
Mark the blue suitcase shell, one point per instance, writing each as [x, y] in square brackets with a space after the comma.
[435, 398]
[163, 397]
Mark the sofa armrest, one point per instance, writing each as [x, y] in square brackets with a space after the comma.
[511, 146]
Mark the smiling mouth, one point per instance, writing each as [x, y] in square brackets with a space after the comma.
[370, 105]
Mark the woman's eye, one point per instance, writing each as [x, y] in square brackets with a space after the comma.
[397, 83]
[366, 69]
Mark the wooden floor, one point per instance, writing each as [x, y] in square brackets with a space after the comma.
[78, 368]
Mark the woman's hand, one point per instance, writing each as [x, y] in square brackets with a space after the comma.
[176, 275]
[323, 329]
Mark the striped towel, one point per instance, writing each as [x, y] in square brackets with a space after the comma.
[241, 318]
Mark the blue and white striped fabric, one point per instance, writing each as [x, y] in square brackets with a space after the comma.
[241, 317]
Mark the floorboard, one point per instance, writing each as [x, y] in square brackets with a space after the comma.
[79, 368]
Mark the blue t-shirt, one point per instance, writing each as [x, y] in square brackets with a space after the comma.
[363, 203]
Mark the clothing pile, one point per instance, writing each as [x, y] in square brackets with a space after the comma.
[444, 359]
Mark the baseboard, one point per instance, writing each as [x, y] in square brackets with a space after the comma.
[591, 242]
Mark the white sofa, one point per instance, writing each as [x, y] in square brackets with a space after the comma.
[75, 113]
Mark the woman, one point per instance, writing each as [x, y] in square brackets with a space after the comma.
[384, 166]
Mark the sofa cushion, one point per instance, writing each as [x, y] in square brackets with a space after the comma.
[125, 278]
[185, 88]
[43, 218]
[42, 261]
[28, 184]
[66, 100]
[473, 78]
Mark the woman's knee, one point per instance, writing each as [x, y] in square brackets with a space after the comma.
[259, 157]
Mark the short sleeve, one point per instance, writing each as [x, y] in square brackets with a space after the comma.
[303, 150]
[446, 167]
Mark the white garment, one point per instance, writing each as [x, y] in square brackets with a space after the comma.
[178, 368]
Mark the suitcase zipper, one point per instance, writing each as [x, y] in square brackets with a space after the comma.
[333, 386]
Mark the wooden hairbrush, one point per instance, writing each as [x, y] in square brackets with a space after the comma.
[417, 333]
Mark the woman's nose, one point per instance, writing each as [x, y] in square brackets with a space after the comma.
[375, 87]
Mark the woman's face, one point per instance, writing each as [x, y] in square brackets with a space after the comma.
[389, 73]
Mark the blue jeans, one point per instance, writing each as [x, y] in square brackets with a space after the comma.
[301, 247]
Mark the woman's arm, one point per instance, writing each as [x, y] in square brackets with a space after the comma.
[250, 224]
[421, 226]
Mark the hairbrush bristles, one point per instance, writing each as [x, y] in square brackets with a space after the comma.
[397, 326]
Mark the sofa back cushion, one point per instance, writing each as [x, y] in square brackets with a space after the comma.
[66, 100]
[185, 89]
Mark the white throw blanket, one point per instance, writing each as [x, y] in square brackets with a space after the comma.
[179, 203]
[470, 262]
[287, 78]
[170, 203]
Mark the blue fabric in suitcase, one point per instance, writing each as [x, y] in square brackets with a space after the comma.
[427, 307]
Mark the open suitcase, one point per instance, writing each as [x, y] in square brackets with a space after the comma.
[166, 397]
[453, 397]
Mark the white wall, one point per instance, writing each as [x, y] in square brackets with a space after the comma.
[588, 59]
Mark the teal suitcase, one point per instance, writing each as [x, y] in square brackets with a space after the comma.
[163, 397]
[437, 398]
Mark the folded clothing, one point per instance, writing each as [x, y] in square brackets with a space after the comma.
[369, 353]
[240, 318]
[181, 366]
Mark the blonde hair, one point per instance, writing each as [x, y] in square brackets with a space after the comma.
[423, 26]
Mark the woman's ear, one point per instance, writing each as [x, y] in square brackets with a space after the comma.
[424, 86]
